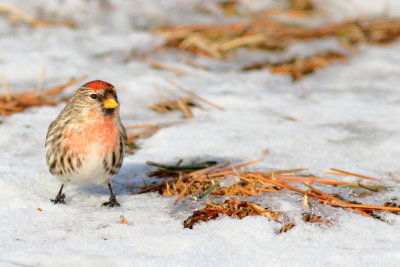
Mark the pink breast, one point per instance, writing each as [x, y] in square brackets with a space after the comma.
[98, 136]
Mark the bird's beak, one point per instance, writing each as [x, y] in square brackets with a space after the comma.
[110, 103]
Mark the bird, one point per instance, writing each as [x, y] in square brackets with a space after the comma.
[86, 142]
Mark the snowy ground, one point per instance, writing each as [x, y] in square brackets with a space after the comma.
[345, 116]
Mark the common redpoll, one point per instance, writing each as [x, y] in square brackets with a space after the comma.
[85, 143]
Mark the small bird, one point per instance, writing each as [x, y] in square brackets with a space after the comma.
[85, 143]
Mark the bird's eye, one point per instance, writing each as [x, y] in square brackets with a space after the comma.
[93, 96]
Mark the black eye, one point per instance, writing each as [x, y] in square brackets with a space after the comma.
[93, 96]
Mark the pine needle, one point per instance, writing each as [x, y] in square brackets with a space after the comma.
[357, 175]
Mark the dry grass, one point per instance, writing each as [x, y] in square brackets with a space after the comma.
[146, 130]
[237, 182]
[184, 105]
[244, 183]
[299, 67]
[219, 40]
[161, 66]
[216, 40]
[15, 15]
[232, 208]
[11, 103]
[305, 5]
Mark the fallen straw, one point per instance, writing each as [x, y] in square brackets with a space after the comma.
[331, 198]
[162, 66]
[193, 166]
[53, 91]
[339, 202]
[18, 15]
[146, 125]
[135, 135]
[155, 127]
[182, 194]
[123, 220]
[185, 176]
[283, 185]
[17, 102]
[196, 175]
[311, 179]
[254, 183]
[237, 166]
[192, 94]
[355, 174]
[216, 40]
[209, 169]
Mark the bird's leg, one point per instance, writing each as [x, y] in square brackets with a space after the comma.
[113, 200]
[60, 198]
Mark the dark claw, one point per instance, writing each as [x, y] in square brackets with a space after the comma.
[111, 204]
[60, 199]
[112, 201]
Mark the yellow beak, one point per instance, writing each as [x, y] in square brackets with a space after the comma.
[110, 103]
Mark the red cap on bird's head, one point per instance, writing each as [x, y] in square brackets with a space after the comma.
[98, 85]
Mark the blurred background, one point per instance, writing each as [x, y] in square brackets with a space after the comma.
[45, 43]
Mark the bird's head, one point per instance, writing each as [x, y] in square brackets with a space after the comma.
[98, 95]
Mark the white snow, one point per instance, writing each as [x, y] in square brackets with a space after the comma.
[348, 9]
[346, 117]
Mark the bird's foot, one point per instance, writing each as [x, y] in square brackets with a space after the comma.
[60, 199]
[111, 203]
